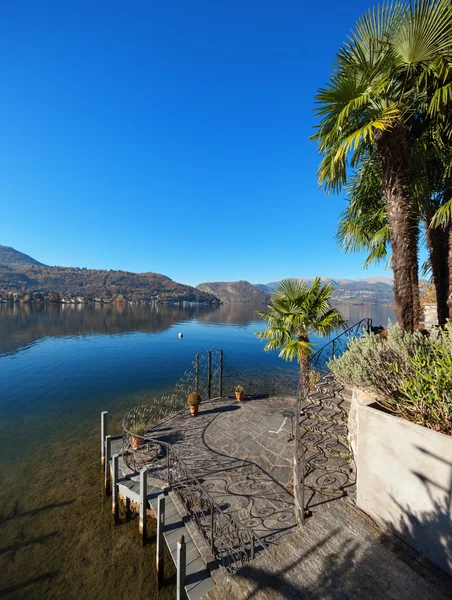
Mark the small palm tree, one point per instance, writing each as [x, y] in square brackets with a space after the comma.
[295, 312]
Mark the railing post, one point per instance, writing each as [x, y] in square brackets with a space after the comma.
[252, 548]
[143, 502]
[114, 487]
[197, 372]
[103, 435]
[212, 536]
[168, 470]
[160, 539]
[209, 374]
[107, 462]
[181, 568]
[221, 373]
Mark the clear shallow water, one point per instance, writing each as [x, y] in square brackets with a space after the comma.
[59, 367]
[76, 361]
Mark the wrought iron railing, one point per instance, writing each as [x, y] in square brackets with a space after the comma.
[212, 376]
[338, 345]
[144, 444]
[232, 543]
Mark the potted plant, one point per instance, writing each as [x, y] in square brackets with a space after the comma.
[194, 400]
[239, 393]
[137, 438]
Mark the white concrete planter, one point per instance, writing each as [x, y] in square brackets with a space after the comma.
[404, 478]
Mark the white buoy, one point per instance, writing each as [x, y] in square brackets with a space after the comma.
[181, 335]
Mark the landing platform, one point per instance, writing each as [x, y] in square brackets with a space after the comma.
[336, 556]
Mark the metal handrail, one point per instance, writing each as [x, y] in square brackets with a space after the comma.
[232, 543]
[212, 521]
[338, 343]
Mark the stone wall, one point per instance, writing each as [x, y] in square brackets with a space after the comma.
[430, 315]
[404, 479]
[357, 397]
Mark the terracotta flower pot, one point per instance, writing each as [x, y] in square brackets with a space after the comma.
[137, 442]
[194, 410]
[239, 396]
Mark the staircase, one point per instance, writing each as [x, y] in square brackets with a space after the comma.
[330, 471]
[198, 580]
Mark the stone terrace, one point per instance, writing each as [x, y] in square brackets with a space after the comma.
[243, 455]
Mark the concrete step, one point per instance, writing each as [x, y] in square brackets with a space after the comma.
[319, 399]
[334, 431]
[198, 578]
[325, 443]
[323, 413]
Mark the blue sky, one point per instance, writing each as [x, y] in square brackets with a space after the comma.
[170, 136]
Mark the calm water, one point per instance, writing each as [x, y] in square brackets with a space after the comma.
[59, 367]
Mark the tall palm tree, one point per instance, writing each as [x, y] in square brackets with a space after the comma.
[394, 67]
[363, 225]
[295, 312]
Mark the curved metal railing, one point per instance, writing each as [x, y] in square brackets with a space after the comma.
[338, 345]
[232, 543]
[144, 445]
[212, 376]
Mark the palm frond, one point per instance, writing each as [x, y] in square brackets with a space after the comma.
[295, 310]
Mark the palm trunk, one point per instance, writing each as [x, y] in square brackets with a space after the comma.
[299, 458]
[392, 152]
[438, 246]
[415, 276]
[449, 264]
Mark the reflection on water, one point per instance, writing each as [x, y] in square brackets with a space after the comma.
[77, 360]
[23, 325]
[59, 367]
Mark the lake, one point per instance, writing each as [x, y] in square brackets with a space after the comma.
[60, 366]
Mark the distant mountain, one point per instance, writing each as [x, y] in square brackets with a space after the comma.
[15, 260]
[235, 292]
[271, 287]
[375, 290]
[21, 274]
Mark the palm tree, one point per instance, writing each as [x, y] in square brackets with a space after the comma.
[394, 68]
[295, 312]
[363, 225]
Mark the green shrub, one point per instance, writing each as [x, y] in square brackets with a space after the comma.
[411, 373]
[426, 397]
[139, 429]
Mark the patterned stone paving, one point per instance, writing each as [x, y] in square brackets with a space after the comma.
[242, 454]
[246, 474]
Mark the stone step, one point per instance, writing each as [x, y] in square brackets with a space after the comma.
[333, 430]
[318, 399]
[329, 388]
[323, 413]
[330, 483]
[329, 464]
[326, 444]
[198, 579]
